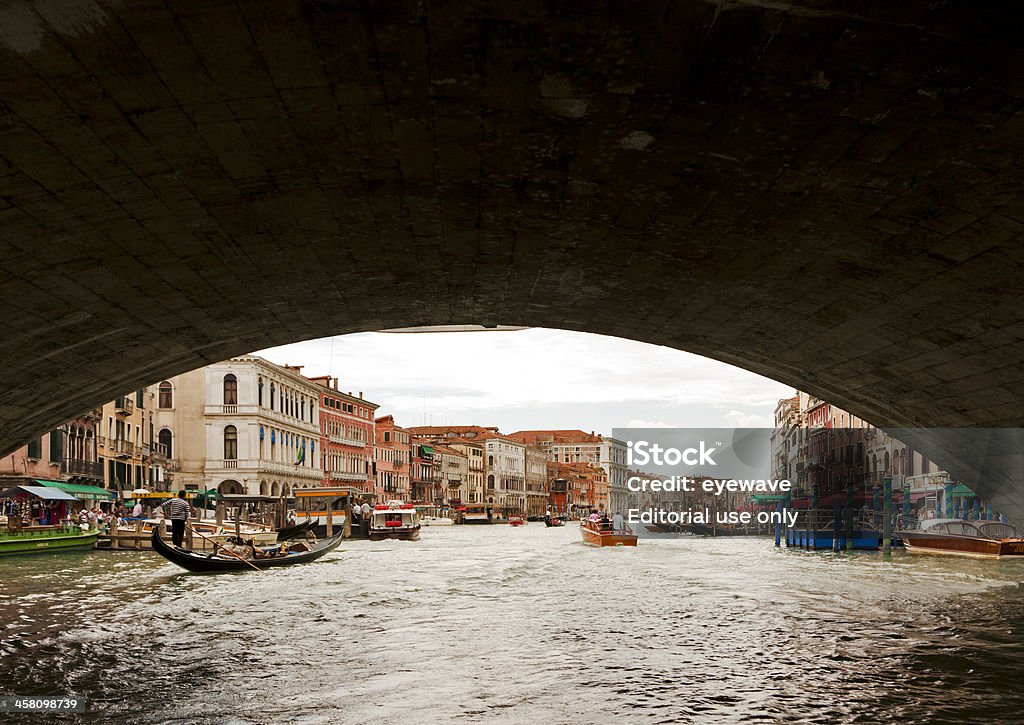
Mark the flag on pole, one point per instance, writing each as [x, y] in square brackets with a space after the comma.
[302, 454]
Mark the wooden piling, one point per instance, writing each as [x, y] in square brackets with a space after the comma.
[348, 517]
[330, 521]
[887, 516]
[113, 533]
[220, 514]
[138, 533]
[848, 525]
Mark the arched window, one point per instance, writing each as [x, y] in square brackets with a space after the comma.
[165, 399]
[259, 393]
[273, 389]
[165, 439]
[230, 443]
[230, 389]
[303, 408]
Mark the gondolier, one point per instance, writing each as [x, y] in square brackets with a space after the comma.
[177, 511]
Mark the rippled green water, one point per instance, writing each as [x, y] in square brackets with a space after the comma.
[497, 624]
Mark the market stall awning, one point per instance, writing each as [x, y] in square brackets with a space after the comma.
[43, 492]
[79, 490]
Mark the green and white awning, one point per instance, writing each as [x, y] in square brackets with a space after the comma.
[79, 490]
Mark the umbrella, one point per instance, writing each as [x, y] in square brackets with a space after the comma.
[140, 492]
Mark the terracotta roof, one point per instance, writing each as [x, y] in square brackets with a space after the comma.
[558, 437]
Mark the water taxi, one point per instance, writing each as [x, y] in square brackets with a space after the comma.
[516, 521]
[603, 533]
[394, 520]
[956, 537]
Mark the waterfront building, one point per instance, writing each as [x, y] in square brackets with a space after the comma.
[244, 425]
[586, 486]
[451, 470]
[577, 446]
[472, 490]
[422, 474]
[505, 477]
[127, 446]
[66, 454]
[391, 456]
[469, 440]
[537, 481]
[346, 436]
[820, 446]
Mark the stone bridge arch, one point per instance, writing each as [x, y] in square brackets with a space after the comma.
[825, 197]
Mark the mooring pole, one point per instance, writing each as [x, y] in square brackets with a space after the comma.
[814, 516]
[836, 523]
[887, 516]
[849, 517]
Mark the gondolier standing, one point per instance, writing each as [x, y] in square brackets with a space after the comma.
[177, 511]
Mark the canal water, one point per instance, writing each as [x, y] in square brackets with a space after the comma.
[498, 624]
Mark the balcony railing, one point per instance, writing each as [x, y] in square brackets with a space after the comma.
[346, 441]
[347, 476]
[122, 448]
[83, 469]
[124, 406]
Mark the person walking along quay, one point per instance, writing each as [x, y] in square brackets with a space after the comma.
[177, 511]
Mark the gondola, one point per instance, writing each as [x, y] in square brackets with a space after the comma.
[194, 561]
[293, 532]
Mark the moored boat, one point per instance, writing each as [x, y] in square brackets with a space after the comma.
[604, 533]
[221, 561]
[956, 537]
[36, 539]
[394, 520]
[436, 521]
[297, 530]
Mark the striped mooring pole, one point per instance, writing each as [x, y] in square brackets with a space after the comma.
[949, 500]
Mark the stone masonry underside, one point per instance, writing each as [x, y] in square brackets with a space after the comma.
[827, 193]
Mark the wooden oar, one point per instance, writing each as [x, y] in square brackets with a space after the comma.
[222, 548]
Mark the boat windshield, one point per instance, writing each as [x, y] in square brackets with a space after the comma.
[957, 528]
[998, 530]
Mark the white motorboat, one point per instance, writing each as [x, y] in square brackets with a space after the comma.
[436, 521]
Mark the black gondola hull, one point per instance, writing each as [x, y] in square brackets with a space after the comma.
[205, 564]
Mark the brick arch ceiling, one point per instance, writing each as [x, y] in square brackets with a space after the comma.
[826, 196]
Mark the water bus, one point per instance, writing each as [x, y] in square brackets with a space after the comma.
[394, 520]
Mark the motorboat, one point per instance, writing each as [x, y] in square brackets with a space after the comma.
[394, 520]
[436, 521]
[601, 532]
[516, 521]
[551, 521]
[958, 537]
[234, 558]
[35, 539]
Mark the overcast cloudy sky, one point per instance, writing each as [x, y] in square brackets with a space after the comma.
[537, 378]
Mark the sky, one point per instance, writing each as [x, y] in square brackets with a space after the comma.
[537, 379]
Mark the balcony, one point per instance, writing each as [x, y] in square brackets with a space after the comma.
[346, 441]
[120, 447]
[82, 469]
[347, 476]
[124, 406]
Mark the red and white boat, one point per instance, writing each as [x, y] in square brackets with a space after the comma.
[394, 520]
[604, 533]
[516, 521]
[956, 537]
